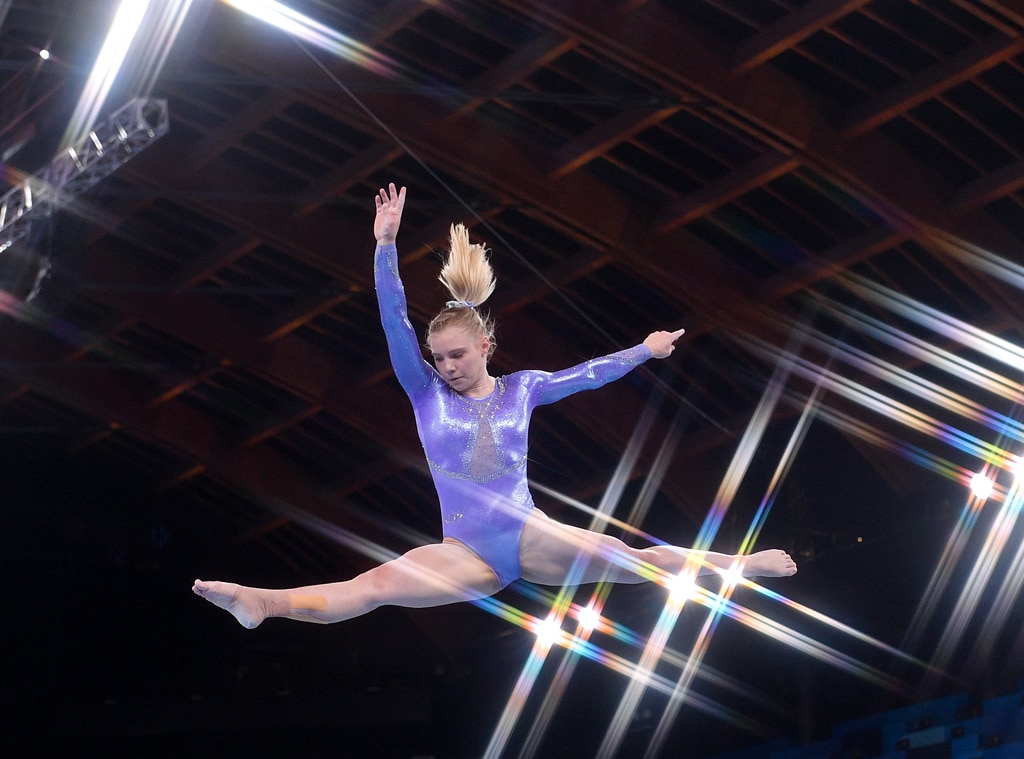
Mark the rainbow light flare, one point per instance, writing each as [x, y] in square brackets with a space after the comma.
[978, 258]
[982, 572]
[967, 335]
[915, 347]
[882, 404]
[582, 646]
[599, 518]
[922, 388]
[119, 39]
[642, 675]
[312, 31]
[654, 649]
[141, 28]
[1009, 589]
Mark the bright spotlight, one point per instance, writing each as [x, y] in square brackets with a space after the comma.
[303, 27]
[44, 54]
[1018, 468]
[588, 618]
[681, 586]
[123, 30]
[732, 576]
[548, 632]
[981, 486]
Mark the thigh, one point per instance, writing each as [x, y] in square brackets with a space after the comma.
[548, 550]
[434, 575]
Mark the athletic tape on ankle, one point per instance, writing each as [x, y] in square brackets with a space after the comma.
[308, 603]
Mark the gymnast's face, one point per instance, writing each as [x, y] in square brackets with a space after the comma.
[461, 360]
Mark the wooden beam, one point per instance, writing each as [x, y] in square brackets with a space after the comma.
[983, 190]
[534, 55]
[605, 136]
[943, 76]
[790, 31]
[759, 172]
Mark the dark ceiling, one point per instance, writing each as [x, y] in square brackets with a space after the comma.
[826, 194]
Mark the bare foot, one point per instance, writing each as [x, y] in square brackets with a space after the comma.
[771, 563]
[244, 604]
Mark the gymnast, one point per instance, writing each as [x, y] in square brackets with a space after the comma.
[473, 427]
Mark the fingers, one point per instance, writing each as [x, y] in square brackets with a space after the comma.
[391, 198]
[672, 337]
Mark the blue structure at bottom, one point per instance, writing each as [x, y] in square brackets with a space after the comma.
[954, 727]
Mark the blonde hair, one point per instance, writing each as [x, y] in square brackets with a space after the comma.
[467, 275]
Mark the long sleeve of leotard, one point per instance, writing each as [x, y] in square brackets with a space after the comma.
[549, 387]
[412, 371]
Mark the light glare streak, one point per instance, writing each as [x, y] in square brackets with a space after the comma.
[882, 404]
[861, 429]
[967, 335]
[981, 574]
[579, 645]
[915, 347]
[925, 389]
[609, 501]
[654, 650]
[108, 63]
[979, 258]
[155, 53]
[1002, 604]
[742, 457]
[589, 618]
[312, 31]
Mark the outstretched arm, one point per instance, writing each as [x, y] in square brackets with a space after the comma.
[554, 386]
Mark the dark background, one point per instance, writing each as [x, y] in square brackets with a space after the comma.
[200, 387]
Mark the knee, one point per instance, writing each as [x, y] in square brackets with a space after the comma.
[376, 586]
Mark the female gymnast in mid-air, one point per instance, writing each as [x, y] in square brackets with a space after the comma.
[473, 427]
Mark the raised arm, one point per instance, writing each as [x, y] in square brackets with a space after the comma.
[406, 358]
[390, 204]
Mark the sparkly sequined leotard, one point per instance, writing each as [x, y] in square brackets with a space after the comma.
[476, 447]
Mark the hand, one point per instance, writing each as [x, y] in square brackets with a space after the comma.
[662, 343]
[390, 203]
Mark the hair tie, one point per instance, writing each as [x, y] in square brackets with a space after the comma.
[460, 304]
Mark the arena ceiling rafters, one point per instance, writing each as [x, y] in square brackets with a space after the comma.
[826, 194]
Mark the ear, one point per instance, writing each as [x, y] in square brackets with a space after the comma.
[485, 346]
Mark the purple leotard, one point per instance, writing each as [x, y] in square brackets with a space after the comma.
[476, 447]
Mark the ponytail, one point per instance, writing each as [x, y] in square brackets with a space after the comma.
[468, 277]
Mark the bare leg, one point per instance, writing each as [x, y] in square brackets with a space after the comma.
[548, 549]
[431, 575]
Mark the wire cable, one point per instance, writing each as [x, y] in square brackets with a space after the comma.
[497, 235]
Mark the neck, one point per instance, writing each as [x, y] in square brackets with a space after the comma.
[481, 390]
